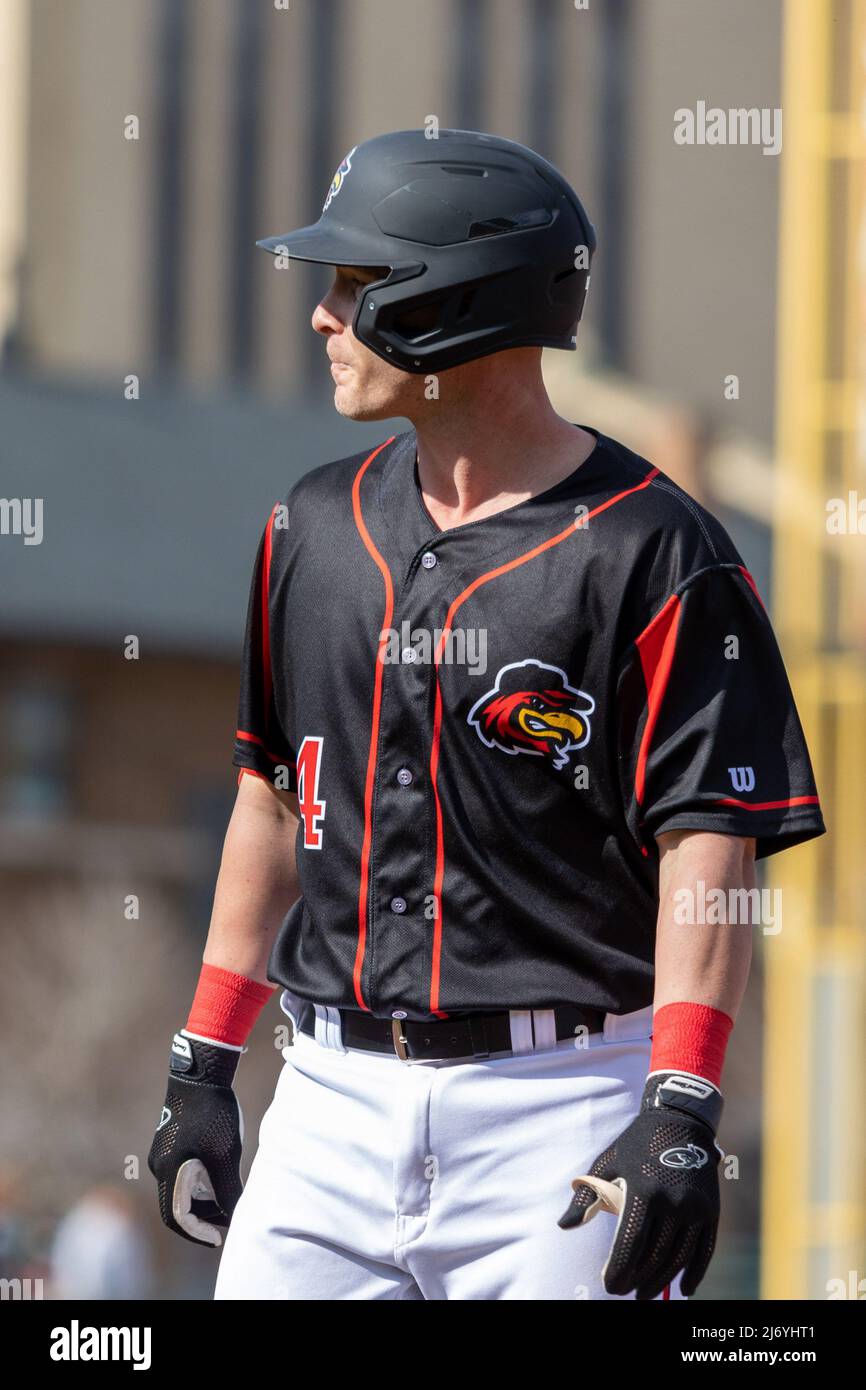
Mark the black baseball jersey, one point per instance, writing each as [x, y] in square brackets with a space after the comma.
[487, 726]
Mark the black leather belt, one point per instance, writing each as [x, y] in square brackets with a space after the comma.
[466, 1035]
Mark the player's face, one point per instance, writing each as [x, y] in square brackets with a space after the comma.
[365, 387]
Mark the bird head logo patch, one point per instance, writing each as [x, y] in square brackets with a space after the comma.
[339, 178]
[533, 709]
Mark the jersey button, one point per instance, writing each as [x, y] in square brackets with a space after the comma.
[404, 776]
[409, 655]
[428, 560]
[398, 904]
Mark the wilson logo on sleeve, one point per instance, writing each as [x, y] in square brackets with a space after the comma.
[742, 778]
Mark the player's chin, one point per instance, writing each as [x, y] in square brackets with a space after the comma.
[352, 402]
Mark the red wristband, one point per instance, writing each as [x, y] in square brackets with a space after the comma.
[225, 1006]
[692, 1038]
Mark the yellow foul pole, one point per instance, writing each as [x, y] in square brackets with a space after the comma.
[814, 1168]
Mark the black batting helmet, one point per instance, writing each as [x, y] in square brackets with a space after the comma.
[487, 246]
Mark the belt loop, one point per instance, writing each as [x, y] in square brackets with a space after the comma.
[520, 1022]
[544, 1029]
[630, 1027]
[329, 1031]
[478, 1035]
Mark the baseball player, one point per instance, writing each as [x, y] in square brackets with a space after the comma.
[511, 714]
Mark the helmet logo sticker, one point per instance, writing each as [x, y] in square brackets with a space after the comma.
[339, 178]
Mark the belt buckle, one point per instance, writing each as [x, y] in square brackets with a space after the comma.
[399, 1040]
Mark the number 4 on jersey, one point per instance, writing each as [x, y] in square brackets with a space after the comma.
[311, 808]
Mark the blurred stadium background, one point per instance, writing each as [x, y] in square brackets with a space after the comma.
[724, 340]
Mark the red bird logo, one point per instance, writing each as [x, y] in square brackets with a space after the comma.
[533, 709]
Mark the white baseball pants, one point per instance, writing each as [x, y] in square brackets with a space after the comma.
[381, 1179]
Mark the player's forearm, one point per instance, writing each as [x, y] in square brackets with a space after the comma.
[257, 882]
[702, 961]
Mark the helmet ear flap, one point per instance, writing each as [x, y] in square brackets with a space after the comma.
[560, 290]
[447, 309]
[417, 323]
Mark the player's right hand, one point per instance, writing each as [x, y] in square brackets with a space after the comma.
[196, 1151]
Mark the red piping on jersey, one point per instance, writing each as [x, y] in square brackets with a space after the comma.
[267, 688]
[364, 886]
[254, 738]
[437, 716]
[656, 646]
[767, 805]
[752, 585]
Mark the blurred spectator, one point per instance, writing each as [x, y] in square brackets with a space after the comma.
[100, 1250]
[13, 1243]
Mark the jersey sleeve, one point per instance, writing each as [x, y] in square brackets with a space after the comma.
[261, 746]
[709, 735]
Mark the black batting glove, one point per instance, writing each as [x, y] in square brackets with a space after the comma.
[196, 1151]
[666, 1164]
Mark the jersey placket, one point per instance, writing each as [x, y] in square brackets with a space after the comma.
[401, 906]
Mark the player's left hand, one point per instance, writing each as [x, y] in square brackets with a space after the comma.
[666, 1164]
